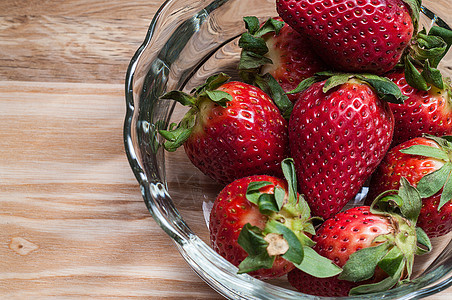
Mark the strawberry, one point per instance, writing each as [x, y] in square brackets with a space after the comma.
[293, 59]
[427, 164]
[339, 132]
[374, 247]
[260, 224]
[423, 112]
[354, 35]
[232, 130]
[276, 49]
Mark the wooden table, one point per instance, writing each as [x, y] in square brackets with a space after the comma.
[73, 222]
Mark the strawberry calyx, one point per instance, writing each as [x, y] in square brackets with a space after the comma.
[394, 252]
[433, 182]
[425, 53]
[287, 231]
[252, 58]
[177, 134]
[384, 88]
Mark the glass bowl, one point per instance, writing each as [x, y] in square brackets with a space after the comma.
[188, 41]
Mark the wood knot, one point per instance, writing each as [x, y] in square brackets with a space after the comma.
[22, 246]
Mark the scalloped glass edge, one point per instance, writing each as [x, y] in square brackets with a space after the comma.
[205, 262]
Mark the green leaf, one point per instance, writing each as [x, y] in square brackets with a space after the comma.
[429, 47]
[385, 88]
[175, 138]
[176, 135]
[391, 261]
[387, 202]
[411, 200]
[295, 253]
[251, 24]
[432, 75]
[212, 83]
[271, 87]
[267, 203]
[336, 80]
[181, 97]
[380, 286]
[305, 211]
[433, 182]
[316, 265]
[290, 175]
[271, 25]
[426, 52]
[413, 76]
[423, 240]
[326, 73]
[253, 191]
[219, 97]
[256, 262]
[446, 35]
[280, 195]
[304, 239]
[215, 81]
[427, 151]
[253, 44]
[446, 194]
[362, 263]
[409, 263]
[250, 60]
[252, 241]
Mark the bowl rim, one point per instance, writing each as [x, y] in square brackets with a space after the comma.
[190, 245]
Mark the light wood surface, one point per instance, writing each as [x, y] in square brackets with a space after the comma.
[73, 222]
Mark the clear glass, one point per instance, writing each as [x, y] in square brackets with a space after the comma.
[188, 41]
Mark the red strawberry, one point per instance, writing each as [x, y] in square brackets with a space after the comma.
[423, 112]
[426, 163]
[231, 212]
[354, 35]
[370, 245]
[232, 130]
[276, 58]
[260, 224]
[293, 59]
[339, 132]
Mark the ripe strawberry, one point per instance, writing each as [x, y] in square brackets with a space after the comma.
[276, 58]
[427, 163]
[293, 58]
[260, 224]
[375, 247]
[354, 35]
[423, 112]
[232, 130]
[339, 132]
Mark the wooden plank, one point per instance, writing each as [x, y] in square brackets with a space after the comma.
[68, 49]
[71, 41]
[112, 9]
[73, 220]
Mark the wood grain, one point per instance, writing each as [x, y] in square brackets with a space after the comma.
[73, 222]
[71, 41]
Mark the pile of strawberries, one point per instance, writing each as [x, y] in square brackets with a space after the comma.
[333, 94]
